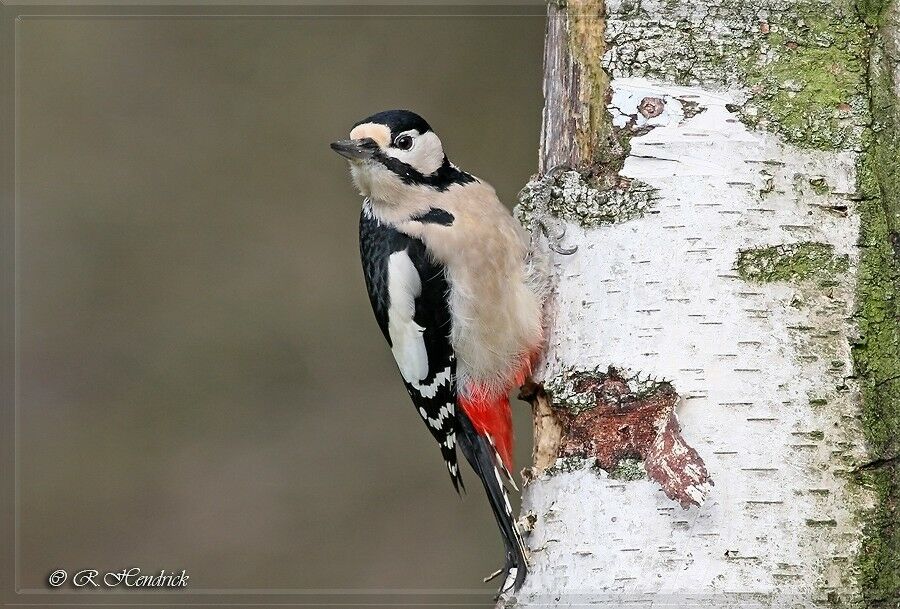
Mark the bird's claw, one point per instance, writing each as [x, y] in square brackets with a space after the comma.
[554, 237]
[554, 240]
[549, 226]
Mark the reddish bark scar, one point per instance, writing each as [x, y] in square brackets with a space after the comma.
[638, 424]
[651, 107]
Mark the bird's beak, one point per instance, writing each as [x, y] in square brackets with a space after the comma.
[356, 150]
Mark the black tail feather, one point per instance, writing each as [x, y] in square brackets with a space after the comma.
[449, 454]
[480, 454]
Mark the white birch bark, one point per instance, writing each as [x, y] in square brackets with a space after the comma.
[724, 260]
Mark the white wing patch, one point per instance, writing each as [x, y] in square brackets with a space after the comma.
[443, 414]
[407, 344]
[440, 378]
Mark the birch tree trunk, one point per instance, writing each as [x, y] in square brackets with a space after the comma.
[716, 422]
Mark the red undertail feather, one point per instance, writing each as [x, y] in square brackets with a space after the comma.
[491, 417]
[490, 414]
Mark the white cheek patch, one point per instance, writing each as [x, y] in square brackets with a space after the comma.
[426, 156]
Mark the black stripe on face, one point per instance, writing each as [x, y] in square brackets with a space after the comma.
[435, 216]
[440, 180]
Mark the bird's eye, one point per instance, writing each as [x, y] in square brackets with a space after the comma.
[404, 142]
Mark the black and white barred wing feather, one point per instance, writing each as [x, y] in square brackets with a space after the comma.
[408, 292]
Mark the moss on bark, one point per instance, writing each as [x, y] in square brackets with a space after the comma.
[877, 352]
[801, 64]
[808, 77]
[790, 262]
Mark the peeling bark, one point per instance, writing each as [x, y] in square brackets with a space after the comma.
[624, 422]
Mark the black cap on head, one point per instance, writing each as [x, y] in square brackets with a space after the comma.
[398, 121]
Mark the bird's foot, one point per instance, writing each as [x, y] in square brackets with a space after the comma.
[543, 222]
[554, 230]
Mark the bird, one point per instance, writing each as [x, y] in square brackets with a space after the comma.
[458, 295]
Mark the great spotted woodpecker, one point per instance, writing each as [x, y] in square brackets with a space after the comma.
[456, 294]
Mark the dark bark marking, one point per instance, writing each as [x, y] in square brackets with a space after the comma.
[634, 423]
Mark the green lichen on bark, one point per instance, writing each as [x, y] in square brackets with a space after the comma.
[573, 197]
[564, 393]
[877, 361]
[808, 81]
[873, 11]
[801, 64]
[629, 469]
[876, 353]
[567, 465]
[790, 262]
[561, 390]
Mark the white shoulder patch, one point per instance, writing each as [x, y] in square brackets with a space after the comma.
[407, 344]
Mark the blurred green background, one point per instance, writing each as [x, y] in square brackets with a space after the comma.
[201, 383]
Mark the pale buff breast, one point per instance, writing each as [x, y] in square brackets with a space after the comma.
[495, 300]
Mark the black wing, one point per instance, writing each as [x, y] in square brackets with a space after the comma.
[408, 292]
